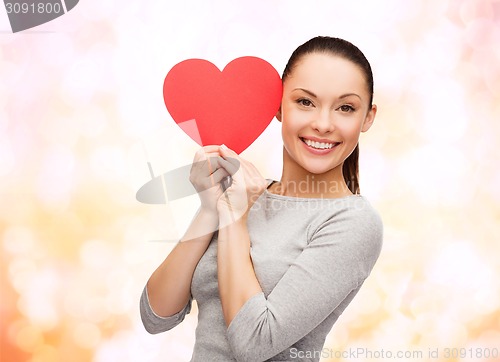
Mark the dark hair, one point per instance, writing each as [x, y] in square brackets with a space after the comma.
[348, 51]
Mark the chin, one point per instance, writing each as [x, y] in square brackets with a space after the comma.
[319, 169]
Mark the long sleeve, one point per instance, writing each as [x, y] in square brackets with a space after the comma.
[156, 324]
[334, 264]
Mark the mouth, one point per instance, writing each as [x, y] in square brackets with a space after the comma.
[319, 145]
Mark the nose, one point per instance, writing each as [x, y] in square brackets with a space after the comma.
[323, 123]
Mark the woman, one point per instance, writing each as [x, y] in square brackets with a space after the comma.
[287, 257]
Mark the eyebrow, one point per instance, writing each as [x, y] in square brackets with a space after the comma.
[306, 91]
[315, 96]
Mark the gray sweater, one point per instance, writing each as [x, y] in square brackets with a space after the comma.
[310, 255]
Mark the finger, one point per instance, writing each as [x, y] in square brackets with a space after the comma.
[218, 175]
[213, 179]
[199, 156]
[205, 151]
[225, 152]
[231, 165]
[207, 165]
[210, 148]
[215, 163]
[201, 161]
[210, 172]
[231, 156]
[212, 153]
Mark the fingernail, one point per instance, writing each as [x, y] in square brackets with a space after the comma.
[223, 146]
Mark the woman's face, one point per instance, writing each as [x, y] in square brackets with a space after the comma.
[324, 97]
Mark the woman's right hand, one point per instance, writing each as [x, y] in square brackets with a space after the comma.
[206, 176]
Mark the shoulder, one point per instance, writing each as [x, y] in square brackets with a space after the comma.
[352, 211]
[355, 225]
[361, 213]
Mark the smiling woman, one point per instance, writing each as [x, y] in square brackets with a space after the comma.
[328, 92]
[273, 266]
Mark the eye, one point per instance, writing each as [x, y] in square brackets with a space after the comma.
[347, 108]
[304, 102]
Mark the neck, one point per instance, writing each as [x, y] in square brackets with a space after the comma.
[298, 182]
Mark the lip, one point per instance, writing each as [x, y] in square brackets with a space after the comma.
[316, 151]
[324, 140]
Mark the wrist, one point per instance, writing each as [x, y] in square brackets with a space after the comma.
[209, 217]
[208, 212]
[228, 217]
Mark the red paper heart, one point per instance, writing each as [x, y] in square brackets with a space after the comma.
[232, 107]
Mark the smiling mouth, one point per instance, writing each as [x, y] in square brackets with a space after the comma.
[319, 145]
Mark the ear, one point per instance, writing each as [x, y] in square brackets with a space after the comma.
[370, 117]
[278, 114]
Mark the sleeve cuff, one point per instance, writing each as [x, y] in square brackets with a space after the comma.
[155, 323]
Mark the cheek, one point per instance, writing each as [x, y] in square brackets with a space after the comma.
[295, 118]
[289, 131]
[350, 129]
[292, 120]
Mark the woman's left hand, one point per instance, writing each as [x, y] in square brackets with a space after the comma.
[247, 185]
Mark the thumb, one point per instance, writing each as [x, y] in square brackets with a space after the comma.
[238, 177]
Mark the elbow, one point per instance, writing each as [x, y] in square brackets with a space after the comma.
[252, 332]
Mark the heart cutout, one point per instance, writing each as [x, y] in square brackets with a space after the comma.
[232, 107]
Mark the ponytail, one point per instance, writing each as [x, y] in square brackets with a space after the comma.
[350, 171]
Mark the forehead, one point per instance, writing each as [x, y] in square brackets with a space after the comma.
[327, 73]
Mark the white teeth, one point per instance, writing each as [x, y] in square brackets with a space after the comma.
[320, 145]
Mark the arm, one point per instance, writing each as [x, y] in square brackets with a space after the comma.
[174, 275]
[330, 268]
[166, 298]
[167, 295]
[235, 272]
